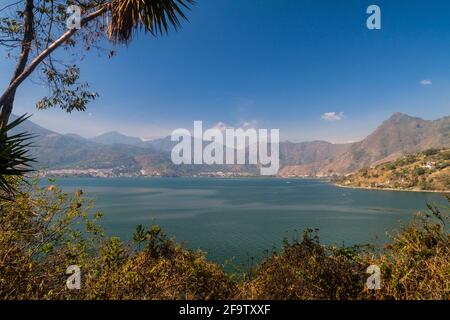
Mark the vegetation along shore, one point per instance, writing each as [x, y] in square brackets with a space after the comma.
[427, 171]
[44, 230]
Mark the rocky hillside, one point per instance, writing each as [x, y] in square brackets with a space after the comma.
[115, 152]
[399, 135]
[428, 170]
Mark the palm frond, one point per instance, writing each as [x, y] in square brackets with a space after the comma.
[14, 158]
[153, 16]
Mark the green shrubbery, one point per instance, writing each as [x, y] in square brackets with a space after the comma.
[416, 264]
[431, 152]
[43, 231]
[307, 270]
[428, 170]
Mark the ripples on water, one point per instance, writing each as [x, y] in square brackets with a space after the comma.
[242, 217]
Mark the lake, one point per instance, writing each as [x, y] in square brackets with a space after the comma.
[243, 217]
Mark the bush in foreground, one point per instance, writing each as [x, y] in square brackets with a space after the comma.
[414, 265]
[43, 231]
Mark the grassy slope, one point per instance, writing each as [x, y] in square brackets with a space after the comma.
[428, 170]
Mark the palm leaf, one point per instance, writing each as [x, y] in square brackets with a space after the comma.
[153, 16]
[14, 159]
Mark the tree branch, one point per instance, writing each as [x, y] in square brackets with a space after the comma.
[7, 101]
[45, 53]
[10, 5]
[27, 39]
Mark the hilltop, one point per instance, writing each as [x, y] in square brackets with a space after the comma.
[424, 171]
[114, 153]
[396, 137]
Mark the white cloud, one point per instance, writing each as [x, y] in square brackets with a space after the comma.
[221, 126]
[333, 116]
[250, 124]
[426, 82]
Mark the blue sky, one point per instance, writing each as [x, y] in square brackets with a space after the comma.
[271, 63]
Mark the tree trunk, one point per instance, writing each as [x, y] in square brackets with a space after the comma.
[7, 104]
[6, 109]
[22, 71]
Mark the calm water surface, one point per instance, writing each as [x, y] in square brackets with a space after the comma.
[244, 217]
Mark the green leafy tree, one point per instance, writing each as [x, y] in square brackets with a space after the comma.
[32, 30]
[30, 33]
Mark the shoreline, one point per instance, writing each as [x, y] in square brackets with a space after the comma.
[391, 189]
[323, 179]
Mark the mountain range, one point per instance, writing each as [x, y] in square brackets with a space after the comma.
[118, 154]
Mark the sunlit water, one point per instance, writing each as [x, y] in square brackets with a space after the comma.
[243, 218]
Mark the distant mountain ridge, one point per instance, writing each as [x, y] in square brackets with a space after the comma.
[114, 137]
[401, 134]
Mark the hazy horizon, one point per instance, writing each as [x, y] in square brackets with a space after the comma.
[144, 139]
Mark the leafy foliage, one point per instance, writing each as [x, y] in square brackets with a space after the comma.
[14, 159]
[66, 92]
[427, 170]
[45, 230]
[305, 269]
[155, 17]
[416, 264]
[30, 31]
